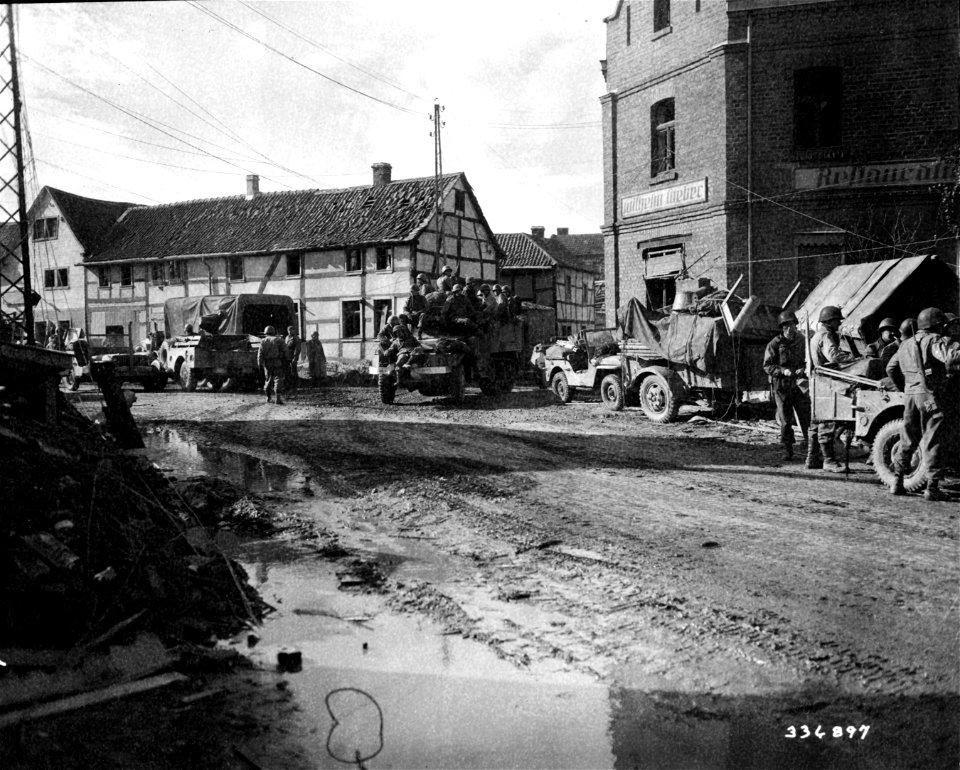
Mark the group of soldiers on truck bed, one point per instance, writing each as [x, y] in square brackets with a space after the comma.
[922, 359]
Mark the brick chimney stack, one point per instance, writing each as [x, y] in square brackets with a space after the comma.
[537, 231]
[563, 231]
[253, 186]
[381, 173]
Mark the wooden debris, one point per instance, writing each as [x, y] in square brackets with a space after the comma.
[92, 698]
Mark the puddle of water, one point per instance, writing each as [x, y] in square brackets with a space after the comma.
[188, 455]
[445, 701]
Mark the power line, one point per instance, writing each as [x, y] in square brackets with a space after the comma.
[94, 179]
[286, 56]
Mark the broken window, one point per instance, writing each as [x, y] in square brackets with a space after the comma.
[235, 268]
[45, 229]
[294, 264]
[350, 315]
[663, 149]
[354, 260]
[384, 258]
[817, 107]
[381, 312]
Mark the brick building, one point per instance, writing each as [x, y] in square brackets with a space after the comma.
[774, 139]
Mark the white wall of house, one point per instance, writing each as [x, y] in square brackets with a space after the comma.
[54, 259]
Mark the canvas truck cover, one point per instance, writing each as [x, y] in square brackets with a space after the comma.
[229, 314]
[870, 291]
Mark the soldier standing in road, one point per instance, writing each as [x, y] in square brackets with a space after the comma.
[270, 360]
[316, 359]
[825, 351]
[920, 370]
[293, 345]
[783, 362]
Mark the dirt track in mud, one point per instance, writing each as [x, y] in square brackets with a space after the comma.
[682, 558]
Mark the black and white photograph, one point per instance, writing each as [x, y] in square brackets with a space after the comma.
[548, 384]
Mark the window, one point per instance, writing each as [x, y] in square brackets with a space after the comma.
[177, 271]
[663, 139]
[817, 107]
[460, 200]
[293, 264]
[45, 229]
[661, 292]
[661, 14]
[569, 289]
[158, 273]
[566, 330]
[126, 275]
[103, 277]
[235, 268]
[350, 313]
[354, 260]
[384, 258]
[381, 312]
[57, 278]
[586, 295]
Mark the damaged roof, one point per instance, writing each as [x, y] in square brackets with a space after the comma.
[89, 219]
[277, 221]
[523, 250]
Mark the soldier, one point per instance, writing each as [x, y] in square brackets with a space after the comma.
[385, 338]
[908, 327]
[472, 293]
[270, 360]
[415, 305]
[920, 370]
[490, 305]
[783, 362]
[445, 281]
[403, 346]
[423, 281]
[952, 329]
[458, 313]
[825, 351]
[293, 345]
[886, 345]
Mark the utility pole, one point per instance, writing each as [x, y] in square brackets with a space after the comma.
[12, 180]
[438, 182]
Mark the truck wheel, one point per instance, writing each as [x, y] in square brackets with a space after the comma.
[457, 384]
[561, 388]
[188, 377]
[488, 387]
[658, 400]
[884, 445]
[611, 392]
[388, 388]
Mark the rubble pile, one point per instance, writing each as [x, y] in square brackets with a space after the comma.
[92, 536]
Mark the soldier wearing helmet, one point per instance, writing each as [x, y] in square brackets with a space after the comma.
[271, 360]
[415, 305]
[423, 281]
[783, 361]
[920, 369]
[459, 314]
[908, 327]
[887, 343]
[445, 281]
[490, 305]
[825, 351]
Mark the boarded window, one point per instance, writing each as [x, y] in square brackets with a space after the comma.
[384, 258]
[45, 229]
[235, 268]
[818, 107]
[354, 260]
[126, 275]
[663, 137]
[294, 264]
[350, 318]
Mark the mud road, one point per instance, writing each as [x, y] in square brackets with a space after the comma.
[683, 559]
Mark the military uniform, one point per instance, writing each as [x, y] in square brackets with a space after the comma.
[783, 361]
[293, 345]
[920, 369]
[271, 359]
[413, 308]
[824, 351]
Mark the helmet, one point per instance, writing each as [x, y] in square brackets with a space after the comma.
[457, 287]
[787, 317]
[447, 269]
[497, 288]
[423, 278]
[485, 288]
[404, 319]
[393, 320]
[269, 330]
[888, 323]
[188, 329]
[952, 318]
[907, 328]
[830, 313]
[931, 318]
[414, 287]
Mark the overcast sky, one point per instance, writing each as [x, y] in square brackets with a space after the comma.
[158, 102]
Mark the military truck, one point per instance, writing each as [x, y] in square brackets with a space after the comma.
[132, 364]
[227, 330]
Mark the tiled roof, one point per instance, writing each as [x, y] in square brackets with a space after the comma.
[89, 219]
[525, 250]
[276, 221]
[585, 250]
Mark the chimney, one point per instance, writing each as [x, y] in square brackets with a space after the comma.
[563, 231]
[381, 174]
[537, 231]
[253, 186]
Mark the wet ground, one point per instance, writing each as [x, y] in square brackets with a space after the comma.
[559, 586]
